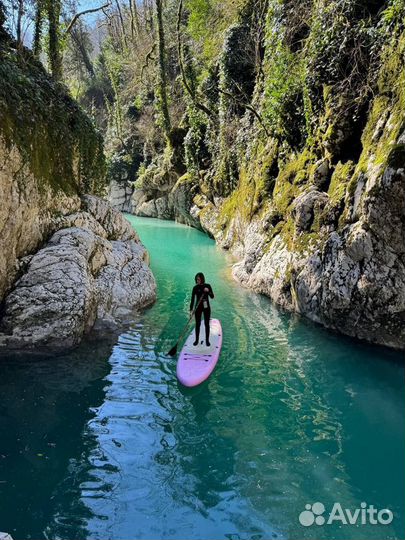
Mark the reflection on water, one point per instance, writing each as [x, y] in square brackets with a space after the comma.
[106, 444]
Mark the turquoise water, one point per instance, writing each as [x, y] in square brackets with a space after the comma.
[104, 442]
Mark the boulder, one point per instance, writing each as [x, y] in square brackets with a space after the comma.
[164, 209]
[147, 209]
[119, 195]
[321, 175]
[306, 206]
[113, 222]
[94, 269]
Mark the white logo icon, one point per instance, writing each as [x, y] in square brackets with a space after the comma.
[366, 514]
[312, 514]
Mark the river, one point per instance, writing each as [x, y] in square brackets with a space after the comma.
[103, 442]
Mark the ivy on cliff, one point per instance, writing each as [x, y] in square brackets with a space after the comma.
[54, 136]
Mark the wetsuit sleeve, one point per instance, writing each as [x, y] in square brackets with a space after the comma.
[210, 292]
[192, 299]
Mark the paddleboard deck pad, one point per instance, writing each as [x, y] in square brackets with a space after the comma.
[196, 363]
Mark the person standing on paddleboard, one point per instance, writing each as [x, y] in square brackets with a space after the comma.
[200, 295]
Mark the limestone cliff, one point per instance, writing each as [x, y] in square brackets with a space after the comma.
[93, 270]
[66, 260]
[302, 172]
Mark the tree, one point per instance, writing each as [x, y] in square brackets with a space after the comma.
[162, 84]
[2, 15]
[189, 86]
[80, 42]
[39, 20]
[20, 13]
[55, 58]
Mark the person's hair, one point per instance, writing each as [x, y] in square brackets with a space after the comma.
[201, 276]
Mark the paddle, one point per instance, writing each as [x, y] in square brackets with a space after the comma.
[173, 350]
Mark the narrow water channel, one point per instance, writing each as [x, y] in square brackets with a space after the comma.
[104, 442]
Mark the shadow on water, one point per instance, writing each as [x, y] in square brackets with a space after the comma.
[45, 406]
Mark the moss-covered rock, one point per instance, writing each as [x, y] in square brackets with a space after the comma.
[50, 154]
[55, 138]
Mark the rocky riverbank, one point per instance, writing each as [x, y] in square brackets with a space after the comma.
[315, 212]
[68, 261]
[92, 271]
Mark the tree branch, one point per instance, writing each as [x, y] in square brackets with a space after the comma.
[85, 12]
[147, 58]
[248, 107]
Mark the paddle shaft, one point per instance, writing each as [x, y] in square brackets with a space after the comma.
[191, 316]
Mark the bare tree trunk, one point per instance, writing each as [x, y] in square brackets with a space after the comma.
[148, 14]
[77, 38]
[164, 108]
[132, 21]
[124, 35]
[20, 14]
[135, 24]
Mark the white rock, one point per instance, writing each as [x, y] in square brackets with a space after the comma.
[83, 275]
[119, 195]
[27, 212]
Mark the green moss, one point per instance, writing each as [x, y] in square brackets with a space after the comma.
[185, 179]
[386, 121]
[376, 148]
[256, 183]
[297, 168]
[340, 180]
[291, 176]
[288, 233]
[199, 200]
[53, 135]
[303, 242]
[264, 168]
[389, 102]
[241, 201]
[284, 195]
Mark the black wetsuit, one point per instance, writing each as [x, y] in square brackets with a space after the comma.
[203, 307]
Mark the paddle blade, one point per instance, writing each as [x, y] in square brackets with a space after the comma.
[173, 351]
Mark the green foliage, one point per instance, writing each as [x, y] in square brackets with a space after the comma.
[283, 105]
[394, 12]
[343, 43]
[54, 35]
[208, 22]
[194, 143]
[284, 75]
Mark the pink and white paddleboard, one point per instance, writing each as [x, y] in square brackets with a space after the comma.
[196, 363]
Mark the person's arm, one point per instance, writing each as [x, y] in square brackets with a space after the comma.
[192, 299]
[209, 292]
